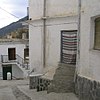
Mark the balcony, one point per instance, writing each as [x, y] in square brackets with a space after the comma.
[17, 60]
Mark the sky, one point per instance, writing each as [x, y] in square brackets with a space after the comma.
[12, 10]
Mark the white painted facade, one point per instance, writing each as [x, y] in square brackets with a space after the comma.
[60, 15]
[18, 46]
[89, 58]
[17, 70]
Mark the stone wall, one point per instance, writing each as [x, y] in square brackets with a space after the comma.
[33, 82]
[39, 83]
[87, 89]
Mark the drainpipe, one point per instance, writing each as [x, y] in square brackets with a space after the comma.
[44, 33]
[78, 33]
[78, 39]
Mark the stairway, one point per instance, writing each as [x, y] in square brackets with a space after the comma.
[19, 62]
[24, 69]
[63, 80]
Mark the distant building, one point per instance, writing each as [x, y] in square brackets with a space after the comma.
[13, 58]
[9, 36]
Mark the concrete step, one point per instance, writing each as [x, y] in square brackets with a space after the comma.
[65, 70]
[61, 88]
[63, 80]
[64, 65]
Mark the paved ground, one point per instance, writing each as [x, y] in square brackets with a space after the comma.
[19, 90]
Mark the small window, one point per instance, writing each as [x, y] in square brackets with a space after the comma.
[26, 53]
[97, 34]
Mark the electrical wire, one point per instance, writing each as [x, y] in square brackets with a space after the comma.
[32, 24]
[9, 13]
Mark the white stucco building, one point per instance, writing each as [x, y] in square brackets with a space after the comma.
[48, 20]
[13, 53]
[89, 65]
[90, 40]
[52, 23]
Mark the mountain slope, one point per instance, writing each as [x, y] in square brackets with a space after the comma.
[13, 26]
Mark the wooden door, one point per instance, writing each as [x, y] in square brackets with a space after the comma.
[11, 53]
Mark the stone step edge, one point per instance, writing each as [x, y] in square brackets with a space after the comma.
[68, 65]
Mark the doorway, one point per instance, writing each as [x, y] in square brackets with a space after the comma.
[6, 69]
[68, 47]
[11, 53]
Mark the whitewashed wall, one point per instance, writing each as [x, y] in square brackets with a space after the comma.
[53, 8]
[89, 58]
[61, 15]
[19, 50]
[35, 48]
[17, 72]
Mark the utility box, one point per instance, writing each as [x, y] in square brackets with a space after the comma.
[6, 69]
[8, 76]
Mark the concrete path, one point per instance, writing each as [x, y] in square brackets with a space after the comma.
[44, 96]
[9, 90]
[19, 90]
[6, 94]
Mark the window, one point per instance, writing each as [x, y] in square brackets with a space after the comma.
[97, 34]
[26, 54]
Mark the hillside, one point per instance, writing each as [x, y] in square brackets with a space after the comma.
[12, 27]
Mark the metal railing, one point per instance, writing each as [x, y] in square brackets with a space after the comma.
[19, 60]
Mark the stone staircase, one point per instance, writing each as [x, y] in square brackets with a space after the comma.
[40, 82]
[63, 80]
[59, 79]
